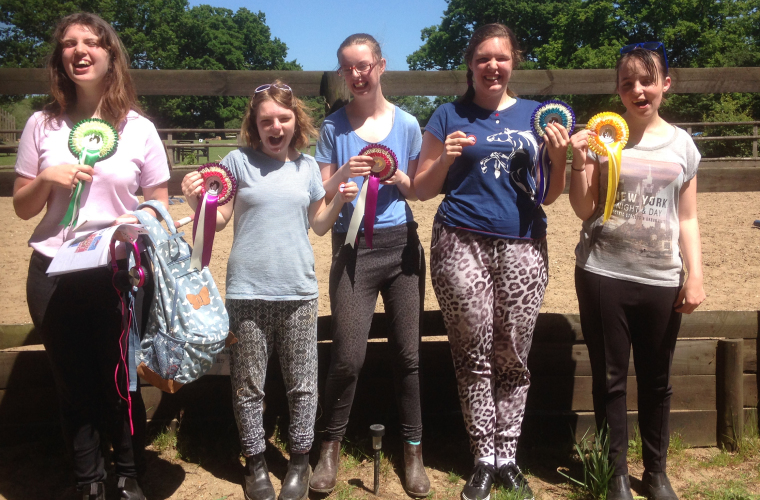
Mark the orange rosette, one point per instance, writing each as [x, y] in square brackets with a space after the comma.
[610, 139]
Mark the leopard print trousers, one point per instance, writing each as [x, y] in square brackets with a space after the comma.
[290, 328]
[490, 291]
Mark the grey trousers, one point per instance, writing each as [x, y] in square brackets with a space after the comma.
[261, 327]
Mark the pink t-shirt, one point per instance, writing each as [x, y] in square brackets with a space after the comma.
[139, 162]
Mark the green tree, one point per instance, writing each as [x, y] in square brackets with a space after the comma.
[567, 34]
[158, 34]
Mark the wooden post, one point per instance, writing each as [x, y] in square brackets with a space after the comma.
[333, 88]
[754, 142]
[729, 372]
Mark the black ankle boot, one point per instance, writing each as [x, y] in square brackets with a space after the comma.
[129, 489]
[657, 486]
[619, 488]
[256, 483]
[295, 486]
[93, 491]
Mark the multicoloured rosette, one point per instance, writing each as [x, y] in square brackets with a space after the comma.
[383, 169]
[219, 186]
[548, 112]
[90, 141]
[610, 139]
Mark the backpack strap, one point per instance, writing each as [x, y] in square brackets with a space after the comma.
[162, 212]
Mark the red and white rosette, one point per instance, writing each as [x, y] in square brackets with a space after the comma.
[219, 186]
[383, 169]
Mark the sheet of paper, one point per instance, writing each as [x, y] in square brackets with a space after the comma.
[93, 225]
[89, 250]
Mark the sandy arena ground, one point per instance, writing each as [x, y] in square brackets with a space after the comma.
[730, 247]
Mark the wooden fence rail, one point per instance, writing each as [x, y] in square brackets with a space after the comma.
[715, 388]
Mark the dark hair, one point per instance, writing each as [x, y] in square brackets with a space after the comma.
[249, 131]
[119, 96]
[647, 59]
[362, 39]
[494, 30]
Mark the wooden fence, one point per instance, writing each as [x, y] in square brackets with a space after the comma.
[7, 122]
[715, 388]
[714, 375]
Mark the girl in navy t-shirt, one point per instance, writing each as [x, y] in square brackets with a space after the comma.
[488, 260]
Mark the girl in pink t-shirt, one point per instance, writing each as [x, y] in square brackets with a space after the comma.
[78, 315]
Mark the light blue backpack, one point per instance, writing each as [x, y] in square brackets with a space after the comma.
[188, 324]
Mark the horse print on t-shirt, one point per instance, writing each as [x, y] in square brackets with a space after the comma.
[518, 152]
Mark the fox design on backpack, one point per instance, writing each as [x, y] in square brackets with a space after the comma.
[188, 324]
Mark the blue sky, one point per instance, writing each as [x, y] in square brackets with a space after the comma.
[313, 29]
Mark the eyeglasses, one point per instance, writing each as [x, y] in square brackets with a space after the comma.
[361, 68]
[651, 46]
[267, 86]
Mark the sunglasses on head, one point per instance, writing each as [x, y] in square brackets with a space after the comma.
[651, 46]
[267, 86]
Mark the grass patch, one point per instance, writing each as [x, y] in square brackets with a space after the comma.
[748, 449]
[593, 453]
[718, 490]
[7, 160]
[453, 477]
[503, 494]
[634, 445]
[165, 440]
[344, 491]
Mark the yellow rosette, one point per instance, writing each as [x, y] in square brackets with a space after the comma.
[611, 137]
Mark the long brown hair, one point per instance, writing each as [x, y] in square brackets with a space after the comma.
[119, 96]
[494, 30]
[304, 129]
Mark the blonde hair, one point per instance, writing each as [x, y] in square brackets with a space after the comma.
[304, 129]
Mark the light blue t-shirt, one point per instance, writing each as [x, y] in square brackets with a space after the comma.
[338, 143]
[271, 256]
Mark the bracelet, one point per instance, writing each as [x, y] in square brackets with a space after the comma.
[575, 169]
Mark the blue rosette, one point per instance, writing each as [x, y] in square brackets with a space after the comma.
[547, 112]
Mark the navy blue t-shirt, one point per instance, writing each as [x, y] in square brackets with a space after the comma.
[488, 187]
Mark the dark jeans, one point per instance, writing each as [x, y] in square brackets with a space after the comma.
[615, 315]
[395, 268]
[78, 316]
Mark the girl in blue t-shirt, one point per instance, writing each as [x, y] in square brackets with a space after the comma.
[488, 258]
[271, 291]
[393, 267]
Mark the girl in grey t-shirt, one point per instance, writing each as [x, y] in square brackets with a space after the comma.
[629, 270]
[271, 293]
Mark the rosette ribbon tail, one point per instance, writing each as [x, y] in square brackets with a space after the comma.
[72, 213]
[614, 158]
[371, 209]
[356, 218]
[204, 228]
[541, 178]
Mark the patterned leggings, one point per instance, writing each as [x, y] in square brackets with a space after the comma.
[490, 291]
[262, 326]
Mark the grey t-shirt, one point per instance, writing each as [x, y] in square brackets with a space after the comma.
[271, 256]
[640, 240]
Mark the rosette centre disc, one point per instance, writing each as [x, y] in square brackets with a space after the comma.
[379, 165]
[214, 184]
[553, 117]
[607, 134]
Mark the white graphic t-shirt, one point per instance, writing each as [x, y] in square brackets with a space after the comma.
[640, 240]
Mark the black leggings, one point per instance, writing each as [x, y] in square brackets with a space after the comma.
[78, 316]
[615, 315]
[395, 268]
